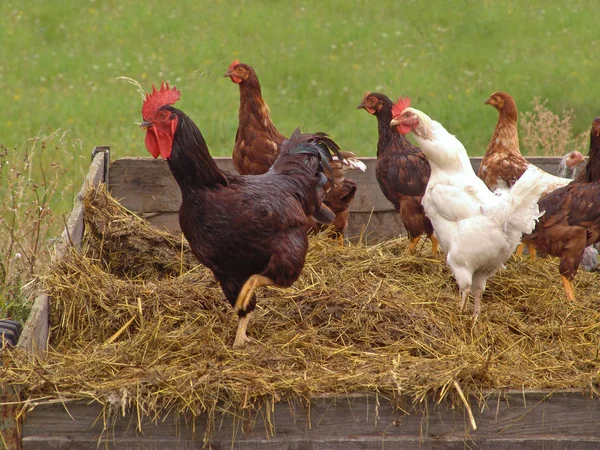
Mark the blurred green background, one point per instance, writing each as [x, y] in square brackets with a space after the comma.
[314, 59]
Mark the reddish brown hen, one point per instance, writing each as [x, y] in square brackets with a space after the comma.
[503, 164]
[257, 144]
[250, 231]
[257, 141]
[571, 221]
[402, 171]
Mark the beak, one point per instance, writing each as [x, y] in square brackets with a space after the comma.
[145, 125]
[228, 74]
[488, 101]
[361, 106]
[394, 122]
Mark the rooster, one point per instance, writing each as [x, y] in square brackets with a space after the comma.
[503, 164]
[250, 231]
[402, 171]
[571, 220]
[257, 144]
[478, 229]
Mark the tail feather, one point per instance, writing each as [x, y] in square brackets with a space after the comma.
[317, 144]
[523, 210]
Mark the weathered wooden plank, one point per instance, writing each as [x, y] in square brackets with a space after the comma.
[35, 331]
[506, 421]
[146, 185]
[371, 226]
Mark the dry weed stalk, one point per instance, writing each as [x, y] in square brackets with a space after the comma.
[30, 182]
[548, 134]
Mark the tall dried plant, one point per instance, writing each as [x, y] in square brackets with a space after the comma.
[32, 181]
[545, 133]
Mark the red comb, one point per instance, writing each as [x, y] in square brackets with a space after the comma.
[158, 98]
[234, 63]
[400, 106]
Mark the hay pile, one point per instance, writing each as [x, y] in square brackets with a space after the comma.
[136, 322]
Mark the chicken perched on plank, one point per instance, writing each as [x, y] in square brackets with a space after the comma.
[402, 171]
[571, 219]
[257, 144]
[477, 228]
[503, 164]
[257, 141]
[250, 231]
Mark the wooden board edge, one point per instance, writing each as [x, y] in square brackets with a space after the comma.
[35, 332]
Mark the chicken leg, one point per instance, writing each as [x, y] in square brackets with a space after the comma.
[413, 244]
[530, 249]
[464, 295]
[242, 302]
[569, 288]
[435, 245]
[240, 335]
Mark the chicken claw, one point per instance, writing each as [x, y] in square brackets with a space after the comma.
[248, 289]
[569, 288]
[340, 239]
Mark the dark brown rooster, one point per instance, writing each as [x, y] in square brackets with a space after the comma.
[402, 171]
[250, 231]
[571, 221]
[257, 144]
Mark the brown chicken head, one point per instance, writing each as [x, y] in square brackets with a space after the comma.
[405, 119]
[370, 103]
[502, 102]
[238, 71]
[160, 122]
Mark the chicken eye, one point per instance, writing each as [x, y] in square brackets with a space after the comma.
[162, 115]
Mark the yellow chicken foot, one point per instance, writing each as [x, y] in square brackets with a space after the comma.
[240, 335]
[532, 252]
[340, 239]
[413, 244]
[519, 250]
[248, 289]
[435, 245]
[569, 288]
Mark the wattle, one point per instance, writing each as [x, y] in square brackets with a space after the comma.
[404, 129]
[151, 142]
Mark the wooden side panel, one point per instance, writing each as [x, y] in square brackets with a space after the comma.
[516, 420]
[34, 336]
[146, 186]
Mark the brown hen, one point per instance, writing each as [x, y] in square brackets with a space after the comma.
[503, 164]
[257, 144]
[571, 220]
[402, 171]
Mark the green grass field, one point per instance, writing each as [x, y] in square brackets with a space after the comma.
[314, 59]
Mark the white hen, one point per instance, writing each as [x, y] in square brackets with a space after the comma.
[478, 229]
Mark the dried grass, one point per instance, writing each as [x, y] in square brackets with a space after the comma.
[545, 133]
[137, 324]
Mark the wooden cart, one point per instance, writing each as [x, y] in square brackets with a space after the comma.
[504, 420]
